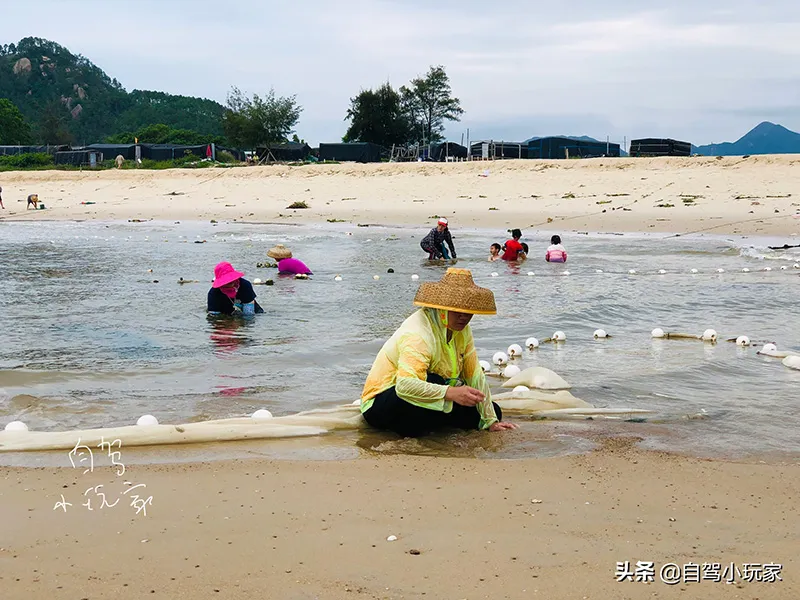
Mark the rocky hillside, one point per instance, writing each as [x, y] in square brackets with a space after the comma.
[68, 99]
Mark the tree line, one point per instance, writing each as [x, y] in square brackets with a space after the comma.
[415, 113]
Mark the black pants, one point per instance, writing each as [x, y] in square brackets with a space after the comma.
[389, 411]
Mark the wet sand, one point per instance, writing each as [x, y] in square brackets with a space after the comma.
[466, 528]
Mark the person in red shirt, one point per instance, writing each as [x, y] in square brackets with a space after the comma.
[512, 247]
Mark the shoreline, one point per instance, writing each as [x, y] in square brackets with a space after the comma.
[753, 196]
[546, 528]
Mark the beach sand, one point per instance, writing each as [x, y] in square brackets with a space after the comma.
[548, 528]
[300, 530]
[754, 196]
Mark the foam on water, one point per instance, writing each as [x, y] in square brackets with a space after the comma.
[92, 341]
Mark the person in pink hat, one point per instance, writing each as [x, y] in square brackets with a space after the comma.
[231, 292]
[434, 242]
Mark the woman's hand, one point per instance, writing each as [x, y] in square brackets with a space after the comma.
[501, 426]
[464, 395]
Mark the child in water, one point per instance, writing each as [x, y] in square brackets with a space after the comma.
[556, 252]
[524, 253]
[513, 247]
[494, 252]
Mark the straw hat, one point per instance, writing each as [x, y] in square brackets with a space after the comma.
[279, 252]
[456, 291]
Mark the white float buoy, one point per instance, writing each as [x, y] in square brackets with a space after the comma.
[147, 420]
[499, 358]
[657, 333]
[256, 281]
[495, 275]
[16, 426]
[376, 277]
[263, 413]
[559, 336]
[485, 365]
[745, 270]
[769, 348]
[415, 277]
[521, 388]
[784, 267]
[514, 350]
[566, 273]
[532, 343]
[598, 270]
[337, 278]
[768, 268]
[709, 335]
[531, 273]
[693, 271]
[796, 265]
[720, 270]
[511, 371]
[792, 361]
[631, 271]
[661, 272]
[600, 334]
[742, 340]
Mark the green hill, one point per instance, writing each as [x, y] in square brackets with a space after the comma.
[68, 99]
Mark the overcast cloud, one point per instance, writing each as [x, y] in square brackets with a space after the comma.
[704, 71]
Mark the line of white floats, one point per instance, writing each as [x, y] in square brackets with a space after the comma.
[501, 359]
[414, 277]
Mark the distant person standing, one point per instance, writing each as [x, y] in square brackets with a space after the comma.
[556, 252]
[33, 200]
[434, 242]
[120, 160]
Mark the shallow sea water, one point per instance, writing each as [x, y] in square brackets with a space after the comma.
[90, 340]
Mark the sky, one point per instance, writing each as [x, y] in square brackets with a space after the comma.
[703, 71]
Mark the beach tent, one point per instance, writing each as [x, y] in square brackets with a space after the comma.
[163, 152]
[78, 158]
[660, 147]
[288, 152]
[440, 152]
[111, 151]
[362, 152]
[562, 147]
[498, 150]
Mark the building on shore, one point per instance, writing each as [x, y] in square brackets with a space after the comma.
[565, 147]
[660, 147]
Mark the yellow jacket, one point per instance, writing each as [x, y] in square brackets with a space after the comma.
[419, 347]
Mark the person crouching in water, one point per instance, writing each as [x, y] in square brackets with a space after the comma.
[231, 292]
[287, 264]
[434, 242]
[556, 252]
[426, 377]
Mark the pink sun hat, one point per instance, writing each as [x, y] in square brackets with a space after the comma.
[224, 273]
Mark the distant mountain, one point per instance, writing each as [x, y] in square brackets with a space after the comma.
[68, 99]
[765, 138]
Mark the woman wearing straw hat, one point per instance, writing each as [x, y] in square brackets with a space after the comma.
[426, 376]
[287, 264]
[231, 292]
[434, 242]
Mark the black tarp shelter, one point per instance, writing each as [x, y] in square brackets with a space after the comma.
[660, 147]
[78, 158]
[561, 147]
[17, 150]
[111, 151]
[163, 152]
[362, 152]
[498, 150]
[440, 152]
[288, 152]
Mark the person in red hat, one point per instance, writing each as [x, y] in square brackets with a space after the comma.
[434, 242]
[231, 292]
